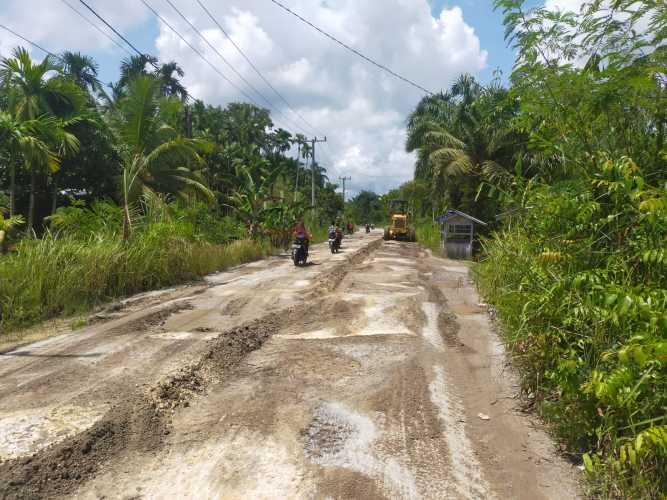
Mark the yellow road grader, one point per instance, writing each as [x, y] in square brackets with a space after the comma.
[399, 222]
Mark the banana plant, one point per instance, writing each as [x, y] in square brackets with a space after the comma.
[6, 226]
[251, 200]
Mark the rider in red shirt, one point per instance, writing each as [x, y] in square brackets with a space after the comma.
[300, 232]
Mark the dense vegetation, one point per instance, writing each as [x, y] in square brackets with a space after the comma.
[569, 165]
[109, 191]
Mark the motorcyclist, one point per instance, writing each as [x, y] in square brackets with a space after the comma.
[301, 233]
[339, 235]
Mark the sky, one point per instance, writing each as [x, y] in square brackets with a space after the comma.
[361, 110]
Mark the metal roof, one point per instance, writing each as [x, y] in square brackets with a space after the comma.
[452, 212]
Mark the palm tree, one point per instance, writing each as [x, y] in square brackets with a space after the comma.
[41, 143]
[22, 138]
[82, 69]
[170, 86]
[133, 67]
[156, 159]
[37, 91]
[31, 90]
[459, 137]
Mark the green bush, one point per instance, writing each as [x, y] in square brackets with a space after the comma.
[52, 276]
[428, 234]
[580, 284]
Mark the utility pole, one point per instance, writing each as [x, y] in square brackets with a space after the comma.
[313, 141]
[344, 179]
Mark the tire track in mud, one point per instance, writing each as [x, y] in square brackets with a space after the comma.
[142, 419]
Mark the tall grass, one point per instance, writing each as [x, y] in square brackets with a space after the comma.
[428, 234]
[46, 277]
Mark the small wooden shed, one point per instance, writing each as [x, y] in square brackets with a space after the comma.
[457, 230]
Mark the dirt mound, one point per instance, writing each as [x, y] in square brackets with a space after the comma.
[138, 424]
[330, 280]
[60, 468]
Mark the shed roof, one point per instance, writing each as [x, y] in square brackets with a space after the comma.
[451, 213]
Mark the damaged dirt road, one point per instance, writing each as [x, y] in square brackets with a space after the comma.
[373, 373]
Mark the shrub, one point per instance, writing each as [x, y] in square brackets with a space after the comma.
[580, 284]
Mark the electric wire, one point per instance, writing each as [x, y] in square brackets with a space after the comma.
[236, 72]
[141, 54]
[196, 51]
[30, 42]
[352, 49]
[254, 67]
[78, 12]
[118, 34]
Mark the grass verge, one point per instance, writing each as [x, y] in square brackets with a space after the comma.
[49, 277]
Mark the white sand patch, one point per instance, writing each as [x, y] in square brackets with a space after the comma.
[340, 437]
[396, 285]
[456, 269]
[466, 471]
[244, 466]
[396, 260]
[431, 332]
[300, 283]
[326, 333]
[379, 320]
[28, 431]
[184, 335]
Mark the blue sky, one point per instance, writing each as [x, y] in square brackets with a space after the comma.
[488, 25]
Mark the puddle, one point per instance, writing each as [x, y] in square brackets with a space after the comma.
[25, 432]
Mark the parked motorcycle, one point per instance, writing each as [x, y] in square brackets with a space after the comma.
[299, 252]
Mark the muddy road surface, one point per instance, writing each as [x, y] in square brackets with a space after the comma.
[374, 373]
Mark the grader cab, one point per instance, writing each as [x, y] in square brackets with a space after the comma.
[399, 222]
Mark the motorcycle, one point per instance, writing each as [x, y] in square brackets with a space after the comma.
[299, 252]
[334, 242]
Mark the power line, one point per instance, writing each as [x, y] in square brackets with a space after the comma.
[352, 49]
[252, 65]
[78, 12]
[222, 75]
[236, 72]
[141, 54]
[119, 35]
[30, 42]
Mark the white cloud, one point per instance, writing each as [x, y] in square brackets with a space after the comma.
[360, 108]
[53, 24]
